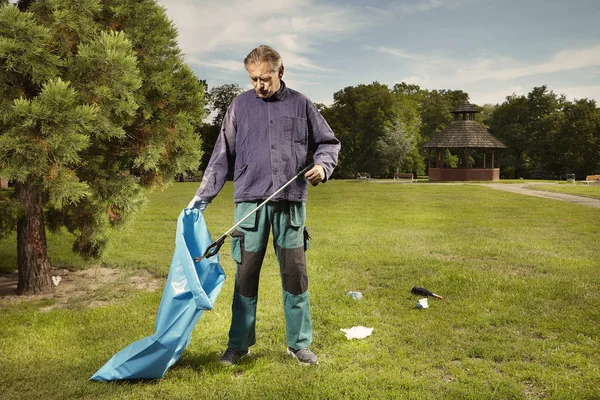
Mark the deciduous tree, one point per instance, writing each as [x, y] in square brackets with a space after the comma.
[579, 139]
[358, 117]
[395, 147]
[218, 99]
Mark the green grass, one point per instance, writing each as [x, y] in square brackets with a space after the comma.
[592, 191]
[510, 181]
[520, 317]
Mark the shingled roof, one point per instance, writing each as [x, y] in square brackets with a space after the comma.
[465, 133]
[465, 107]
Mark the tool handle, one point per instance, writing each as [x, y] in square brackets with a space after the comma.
[214, 247]
[301, 173]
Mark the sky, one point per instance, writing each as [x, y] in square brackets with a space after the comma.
[488, 48]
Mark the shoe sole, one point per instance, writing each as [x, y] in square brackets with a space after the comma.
[299, 361]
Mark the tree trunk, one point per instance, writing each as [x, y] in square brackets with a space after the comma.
[32, 251]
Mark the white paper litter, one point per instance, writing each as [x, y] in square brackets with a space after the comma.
[56, 280]
[423, 303]
[357, 332]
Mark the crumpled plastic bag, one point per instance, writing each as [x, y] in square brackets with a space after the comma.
[190, 289]
[357, 332]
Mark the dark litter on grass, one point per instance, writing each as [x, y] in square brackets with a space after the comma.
[421, 291]
[424, 292]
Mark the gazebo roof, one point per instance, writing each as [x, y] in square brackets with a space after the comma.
[464, 134]
[465, 107]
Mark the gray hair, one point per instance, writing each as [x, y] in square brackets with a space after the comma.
[264, 53]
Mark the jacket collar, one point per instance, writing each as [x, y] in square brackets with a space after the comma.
[279, 95]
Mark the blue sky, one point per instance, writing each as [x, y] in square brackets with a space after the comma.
[488, 48]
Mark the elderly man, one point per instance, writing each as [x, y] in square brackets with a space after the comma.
[264, 141]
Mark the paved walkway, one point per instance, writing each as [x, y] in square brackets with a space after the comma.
[527, 189]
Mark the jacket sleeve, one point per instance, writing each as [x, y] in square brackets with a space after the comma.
[222, 161]
[322, 141]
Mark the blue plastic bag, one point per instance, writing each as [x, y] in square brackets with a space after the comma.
[190, 289]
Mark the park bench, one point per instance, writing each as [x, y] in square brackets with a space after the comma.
[363, 176]
[404, 177]
[592, 180]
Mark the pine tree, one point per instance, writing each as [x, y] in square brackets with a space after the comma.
[96, 102]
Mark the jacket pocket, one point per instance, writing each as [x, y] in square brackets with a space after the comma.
[296, 214]
[296, 133]
[243, 209]
[296, 129]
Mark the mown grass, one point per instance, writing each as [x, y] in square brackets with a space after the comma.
[592, 191]
[520, 317]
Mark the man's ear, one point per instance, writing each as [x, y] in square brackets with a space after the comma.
[281, 72]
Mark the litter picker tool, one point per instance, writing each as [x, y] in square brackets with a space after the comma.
[216, 245]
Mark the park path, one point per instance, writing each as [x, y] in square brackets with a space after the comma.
[529, 190]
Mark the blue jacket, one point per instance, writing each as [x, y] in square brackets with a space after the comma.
[263, 143]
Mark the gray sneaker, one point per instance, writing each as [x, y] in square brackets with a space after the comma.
[304, 356]
[231, 357]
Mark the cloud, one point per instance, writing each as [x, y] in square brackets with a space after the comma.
[420, 6]
[483, 96]
[221, 65]
[580, 92]
[490, 79]
[495, 68]
[507, 69]
[215, 33]
[398, 9]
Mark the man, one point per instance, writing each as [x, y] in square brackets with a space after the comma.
[264, 141]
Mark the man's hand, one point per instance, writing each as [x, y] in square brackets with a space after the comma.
[198, 203]
[315, 175]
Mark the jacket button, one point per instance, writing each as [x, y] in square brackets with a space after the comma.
[271, 122]
[273, 146]
[274, 172]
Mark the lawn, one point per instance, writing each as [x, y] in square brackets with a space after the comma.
[519, 320]
[592, 191]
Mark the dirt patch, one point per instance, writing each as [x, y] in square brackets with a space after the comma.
[92, 287]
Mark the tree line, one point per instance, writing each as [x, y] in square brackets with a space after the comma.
[96, 103]
[382, 129]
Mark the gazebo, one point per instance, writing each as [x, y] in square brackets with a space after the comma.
[475, 146]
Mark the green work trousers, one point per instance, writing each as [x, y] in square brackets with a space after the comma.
[249, 244]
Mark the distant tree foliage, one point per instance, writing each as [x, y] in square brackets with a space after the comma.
[218, 99]
[360, 116]
[547, 136]
[395, 146]
[95, 102]
[578, 139]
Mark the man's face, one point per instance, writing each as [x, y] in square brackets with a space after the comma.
[266, 82]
